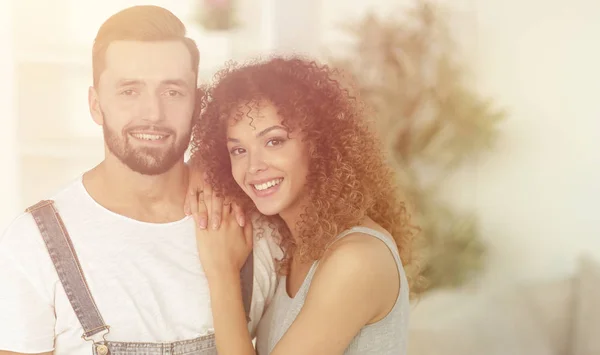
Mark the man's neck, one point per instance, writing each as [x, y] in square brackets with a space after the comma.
[155, 199]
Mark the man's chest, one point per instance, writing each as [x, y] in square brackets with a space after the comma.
[145, 292]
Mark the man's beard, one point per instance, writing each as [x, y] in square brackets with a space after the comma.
[145, 160]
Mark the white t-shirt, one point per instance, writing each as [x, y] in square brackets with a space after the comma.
[146, 279]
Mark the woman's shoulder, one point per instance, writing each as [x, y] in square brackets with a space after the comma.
[360, 265]
[368, 240]
[362, 251]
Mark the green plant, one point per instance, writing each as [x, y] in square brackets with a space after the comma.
[410, 74]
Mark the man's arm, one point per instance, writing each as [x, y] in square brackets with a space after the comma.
[27, 318]
[2, 352]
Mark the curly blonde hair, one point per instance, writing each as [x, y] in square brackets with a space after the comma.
[348, 177]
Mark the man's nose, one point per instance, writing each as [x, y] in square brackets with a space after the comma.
[152, 108]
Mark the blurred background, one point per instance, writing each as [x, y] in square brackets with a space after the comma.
[489, 109]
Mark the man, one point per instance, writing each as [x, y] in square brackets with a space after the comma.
[110, 263]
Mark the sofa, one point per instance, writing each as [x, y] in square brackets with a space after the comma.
[558, 317]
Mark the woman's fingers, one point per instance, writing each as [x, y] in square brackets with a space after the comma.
[207, 198]
[201, 214]
[239, 214]
[216, 209]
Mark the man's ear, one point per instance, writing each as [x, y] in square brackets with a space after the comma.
[94, 104]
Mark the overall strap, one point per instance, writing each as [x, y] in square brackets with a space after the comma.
[66, 263]
[247, 277]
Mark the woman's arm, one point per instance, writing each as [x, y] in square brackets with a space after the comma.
[222, 251]
[357, 283]
[231, 329]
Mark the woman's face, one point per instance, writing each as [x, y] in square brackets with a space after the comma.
[269, 163]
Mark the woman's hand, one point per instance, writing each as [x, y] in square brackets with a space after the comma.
[191, 205]
[224, 250]
[199, 190]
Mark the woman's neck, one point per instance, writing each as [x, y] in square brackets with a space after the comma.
[291, 220]
[292, 215]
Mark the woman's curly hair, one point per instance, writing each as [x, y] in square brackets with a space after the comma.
[348, 177]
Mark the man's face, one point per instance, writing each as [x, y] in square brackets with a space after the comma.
[145, 101]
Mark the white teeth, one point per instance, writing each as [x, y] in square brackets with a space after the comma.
[268, 184]
[148, 137]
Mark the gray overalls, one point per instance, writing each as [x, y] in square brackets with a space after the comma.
[71, 276]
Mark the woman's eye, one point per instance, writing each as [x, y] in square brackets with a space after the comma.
[236, 151]
[274, 142]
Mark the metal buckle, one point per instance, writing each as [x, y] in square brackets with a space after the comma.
[88, 338]
[101, 349]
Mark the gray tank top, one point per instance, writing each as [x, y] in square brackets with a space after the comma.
[385, 337]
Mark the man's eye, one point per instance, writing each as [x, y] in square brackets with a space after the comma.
[173, 93]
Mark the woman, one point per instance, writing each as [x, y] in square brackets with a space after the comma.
[283, 138]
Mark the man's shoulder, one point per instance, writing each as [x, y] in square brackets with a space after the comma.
[22, 233]
[23, 224]
[22, 242]
[72, 192]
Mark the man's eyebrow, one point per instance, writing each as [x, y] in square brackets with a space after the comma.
[130, 82]
[176, 82]
[137, 82]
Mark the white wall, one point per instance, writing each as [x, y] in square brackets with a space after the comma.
[537, 197]
[9, 182]
[536, 194]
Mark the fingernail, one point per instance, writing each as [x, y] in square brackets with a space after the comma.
[202, 223]
[186, 211]
[215, 223]
[241, 221]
